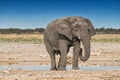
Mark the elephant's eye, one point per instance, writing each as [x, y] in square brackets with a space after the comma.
[88, 31]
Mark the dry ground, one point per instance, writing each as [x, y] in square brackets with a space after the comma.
[30, 54]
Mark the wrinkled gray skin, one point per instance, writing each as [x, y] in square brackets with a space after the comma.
[65, 32]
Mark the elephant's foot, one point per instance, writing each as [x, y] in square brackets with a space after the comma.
[53, 68]
[61, 68]
[75, 68]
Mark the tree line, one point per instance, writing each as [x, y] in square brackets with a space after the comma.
[101, 30]
[21, 31]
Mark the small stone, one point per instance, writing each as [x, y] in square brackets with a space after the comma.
[6, 71]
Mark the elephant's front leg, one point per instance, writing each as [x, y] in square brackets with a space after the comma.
[63, 50]
[76, 51]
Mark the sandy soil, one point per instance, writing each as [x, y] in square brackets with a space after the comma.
[102, 54]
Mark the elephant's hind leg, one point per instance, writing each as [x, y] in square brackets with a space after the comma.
[52, 55]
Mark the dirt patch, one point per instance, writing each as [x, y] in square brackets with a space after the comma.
[102, 54]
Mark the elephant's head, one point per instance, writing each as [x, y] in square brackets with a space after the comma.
[83, 29]
[63, 27]
[77, 27]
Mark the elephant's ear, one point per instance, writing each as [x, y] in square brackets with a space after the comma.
[90, 28]
[63, 27]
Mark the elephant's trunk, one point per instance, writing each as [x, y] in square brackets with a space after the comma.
[86, 46]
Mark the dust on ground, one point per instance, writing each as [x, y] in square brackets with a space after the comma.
[102, 54]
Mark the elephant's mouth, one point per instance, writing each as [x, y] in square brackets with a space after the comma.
[75, 38]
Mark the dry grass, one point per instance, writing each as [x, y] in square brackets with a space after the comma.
[27, 36]
[38, 38]
[106, 38]
[32, 38]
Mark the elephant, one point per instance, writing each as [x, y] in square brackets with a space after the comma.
[62, 33]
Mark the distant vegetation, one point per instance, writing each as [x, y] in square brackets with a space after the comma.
[107, 31]
[41, 30]
[21, 31]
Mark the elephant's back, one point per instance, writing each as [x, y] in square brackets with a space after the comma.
[51, 34]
